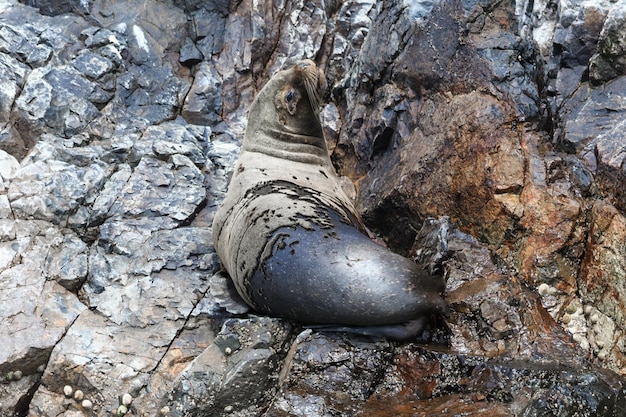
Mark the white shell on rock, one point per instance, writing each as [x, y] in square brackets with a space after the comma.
[78, 395]
[127, 399]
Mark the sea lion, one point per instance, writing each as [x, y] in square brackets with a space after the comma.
[290, 238]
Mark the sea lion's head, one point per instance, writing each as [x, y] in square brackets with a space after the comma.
[289, 104]
[302, 81]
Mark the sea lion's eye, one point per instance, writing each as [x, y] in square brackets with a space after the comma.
[290, 100]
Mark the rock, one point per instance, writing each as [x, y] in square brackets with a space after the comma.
[489, 387]
[151, 182]
[13, 73]
[189, 54]
[51, 189]
[483, 140]
[610, 60]
[591, 112]
[348, 368]
[239, 379]
[604, 155]
[12, 142]
[352, 24]
[207, 29]
[478, 178]
[8, 165]
[55, 100]
[92, 65]
[67, 262]
[602, 273]
[17, 394]
[59, 7]
[203, 104]
[36, 312]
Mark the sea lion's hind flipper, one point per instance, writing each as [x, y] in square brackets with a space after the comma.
[402, 332]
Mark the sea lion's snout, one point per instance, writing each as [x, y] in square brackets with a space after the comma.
[314, 81]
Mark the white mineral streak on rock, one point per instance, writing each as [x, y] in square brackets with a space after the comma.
[140, 37]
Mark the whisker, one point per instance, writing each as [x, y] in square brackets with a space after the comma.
[311, 84]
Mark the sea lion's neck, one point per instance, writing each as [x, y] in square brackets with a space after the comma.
[287, 145]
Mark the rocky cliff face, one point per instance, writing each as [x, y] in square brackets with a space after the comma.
[483, 138]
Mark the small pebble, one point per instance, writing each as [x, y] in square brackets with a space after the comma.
[228, 350]
[602, 355]
[594, 318]
[9, 375]
[228, 408]
[127, 399]
[566, 319]
[86, 404]
[121, 410]
[571, 308]
[544, 289]
[588, 309]
[17, 375]
[67, 390]
[165, 410]
[78, 395]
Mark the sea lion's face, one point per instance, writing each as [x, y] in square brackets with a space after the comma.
[298, 92]
[284, 119]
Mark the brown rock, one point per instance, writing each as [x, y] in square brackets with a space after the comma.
[462, 155]
[603, 276]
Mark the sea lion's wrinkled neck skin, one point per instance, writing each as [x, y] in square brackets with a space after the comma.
[291, 239]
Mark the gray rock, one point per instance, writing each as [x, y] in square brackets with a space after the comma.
[17, 394]
[208, 30]
[110, 193]
[170, 139]
[12, 73]
[92, 65]
[351, 366]
[8, 166]
[36, 311]
[190, 55]
[55, 100]
[47, 188]
[591, 112]
[203, 104]
[21, 41]
[234, 378]
[225, 294]
[610, 60]
[67, 262]
[164, 193]
[151, 93]
[607, 149]
[58, 7]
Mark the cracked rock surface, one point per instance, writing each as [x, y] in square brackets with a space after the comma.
[485, 140]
